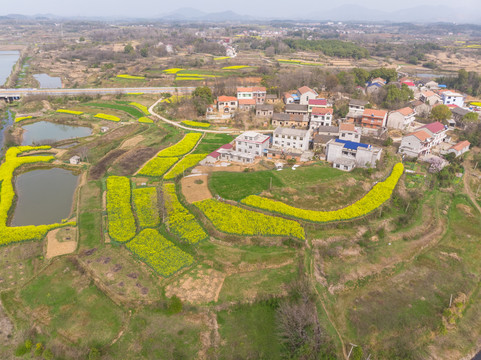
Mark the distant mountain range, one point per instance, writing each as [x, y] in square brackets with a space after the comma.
[344, 13]
[353, 12]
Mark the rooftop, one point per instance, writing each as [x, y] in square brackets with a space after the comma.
[352, 145]
[251, 89]
[322, 111]
[247, 101]
[347, 127]
[375, 113]
[461, 145]
[420, 134]
[358, 102]
[296, 107]
[291, 132]
[329, 129]
[305, 89]
[226, 98]
[406, 111]
[434, 127]
[252, 136]
[317, 102]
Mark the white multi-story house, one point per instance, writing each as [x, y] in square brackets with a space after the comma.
[321, 117]
[305, 94]
[317, 103]
[346, 155]
[349, 132]
[252, 142]
[452, 98]
[401, 119]
[422, 140]
[291, 139]
[258, 93]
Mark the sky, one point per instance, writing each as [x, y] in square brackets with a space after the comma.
[153, 8]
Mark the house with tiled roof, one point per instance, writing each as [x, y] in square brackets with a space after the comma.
[321, 117]
[298, 109]
[401, 118]
[305, 93]
[258, 93]
[264, 110]
[247, 104]
[348, 131]
[430, 97]
[290, 120]
[421, 141]
[226, 104]
[460, 148]
[317, 103]
[373, 121]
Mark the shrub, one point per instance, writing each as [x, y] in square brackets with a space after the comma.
[235, 220]
[121, 222]
[179, 220]
[175, 305]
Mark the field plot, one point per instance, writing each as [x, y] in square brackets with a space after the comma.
[159, 253]
[179, 220]
[66, 303]
[121, 219]
[146, 208]
[235, 220]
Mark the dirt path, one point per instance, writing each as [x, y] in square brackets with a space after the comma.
[130, 143]
[58, 248]
[210, 337]
[124, 327]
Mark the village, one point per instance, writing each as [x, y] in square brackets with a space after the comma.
[307, 129]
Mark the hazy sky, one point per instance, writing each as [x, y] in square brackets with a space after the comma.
[152, 8]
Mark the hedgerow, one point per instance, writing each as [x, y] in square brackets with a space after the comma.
[145, 201]
[119, 211]
[235, 220]
[18, 119]
[141, 107]
[158, 166]
[182, 147]
[196, 123]
[380, 193]
[130, 77]
[179, 220]
[159, 253]
[107, 117]
[7, 194]
[187, 162]
[71, 112]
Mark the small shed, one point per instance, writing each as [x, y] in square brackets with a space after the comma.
[104, 129]
[75, 160]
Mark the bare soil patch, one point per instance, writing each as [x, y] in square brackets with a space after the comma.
[6, 326]
[58, 243]
[132, 161]
[130, 143]
[193, 190]
[99, 169]
[198, 286]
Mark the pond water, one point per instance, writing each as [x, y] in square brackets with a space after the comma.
[7, 61]
[48, 82]
[45, 131]
[44, 196]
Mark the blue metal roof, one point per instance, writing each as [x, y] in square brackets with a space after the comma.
[351, 145]
[295, 96]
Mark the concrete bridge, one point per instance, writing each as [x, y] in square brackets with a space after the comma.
[15, 94]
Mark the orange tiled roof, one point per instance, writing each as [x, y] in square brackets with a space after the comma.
[375, 113]
[251, 89]
[461, 145]
[247, 101]
[420, 134]
[347, 127]
[304, 89]
[322, 111]
[226, 98]
[406, 111]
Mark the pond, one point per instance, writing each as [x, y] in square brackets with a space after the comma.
[48, 82]
[7, 60]
[44, 196]
[44, 132]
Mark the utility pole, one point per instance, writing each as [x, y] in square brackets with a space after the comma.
[270, 185]
[477, 191]
[451, 300]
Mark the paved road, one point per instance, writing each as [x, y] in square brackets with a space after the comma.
[179, 125]
[94, 91]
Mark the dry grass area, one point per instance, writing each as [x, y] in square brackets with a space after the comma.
[132, 142]
[195, 188]
[61, 242]
[198, 286]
